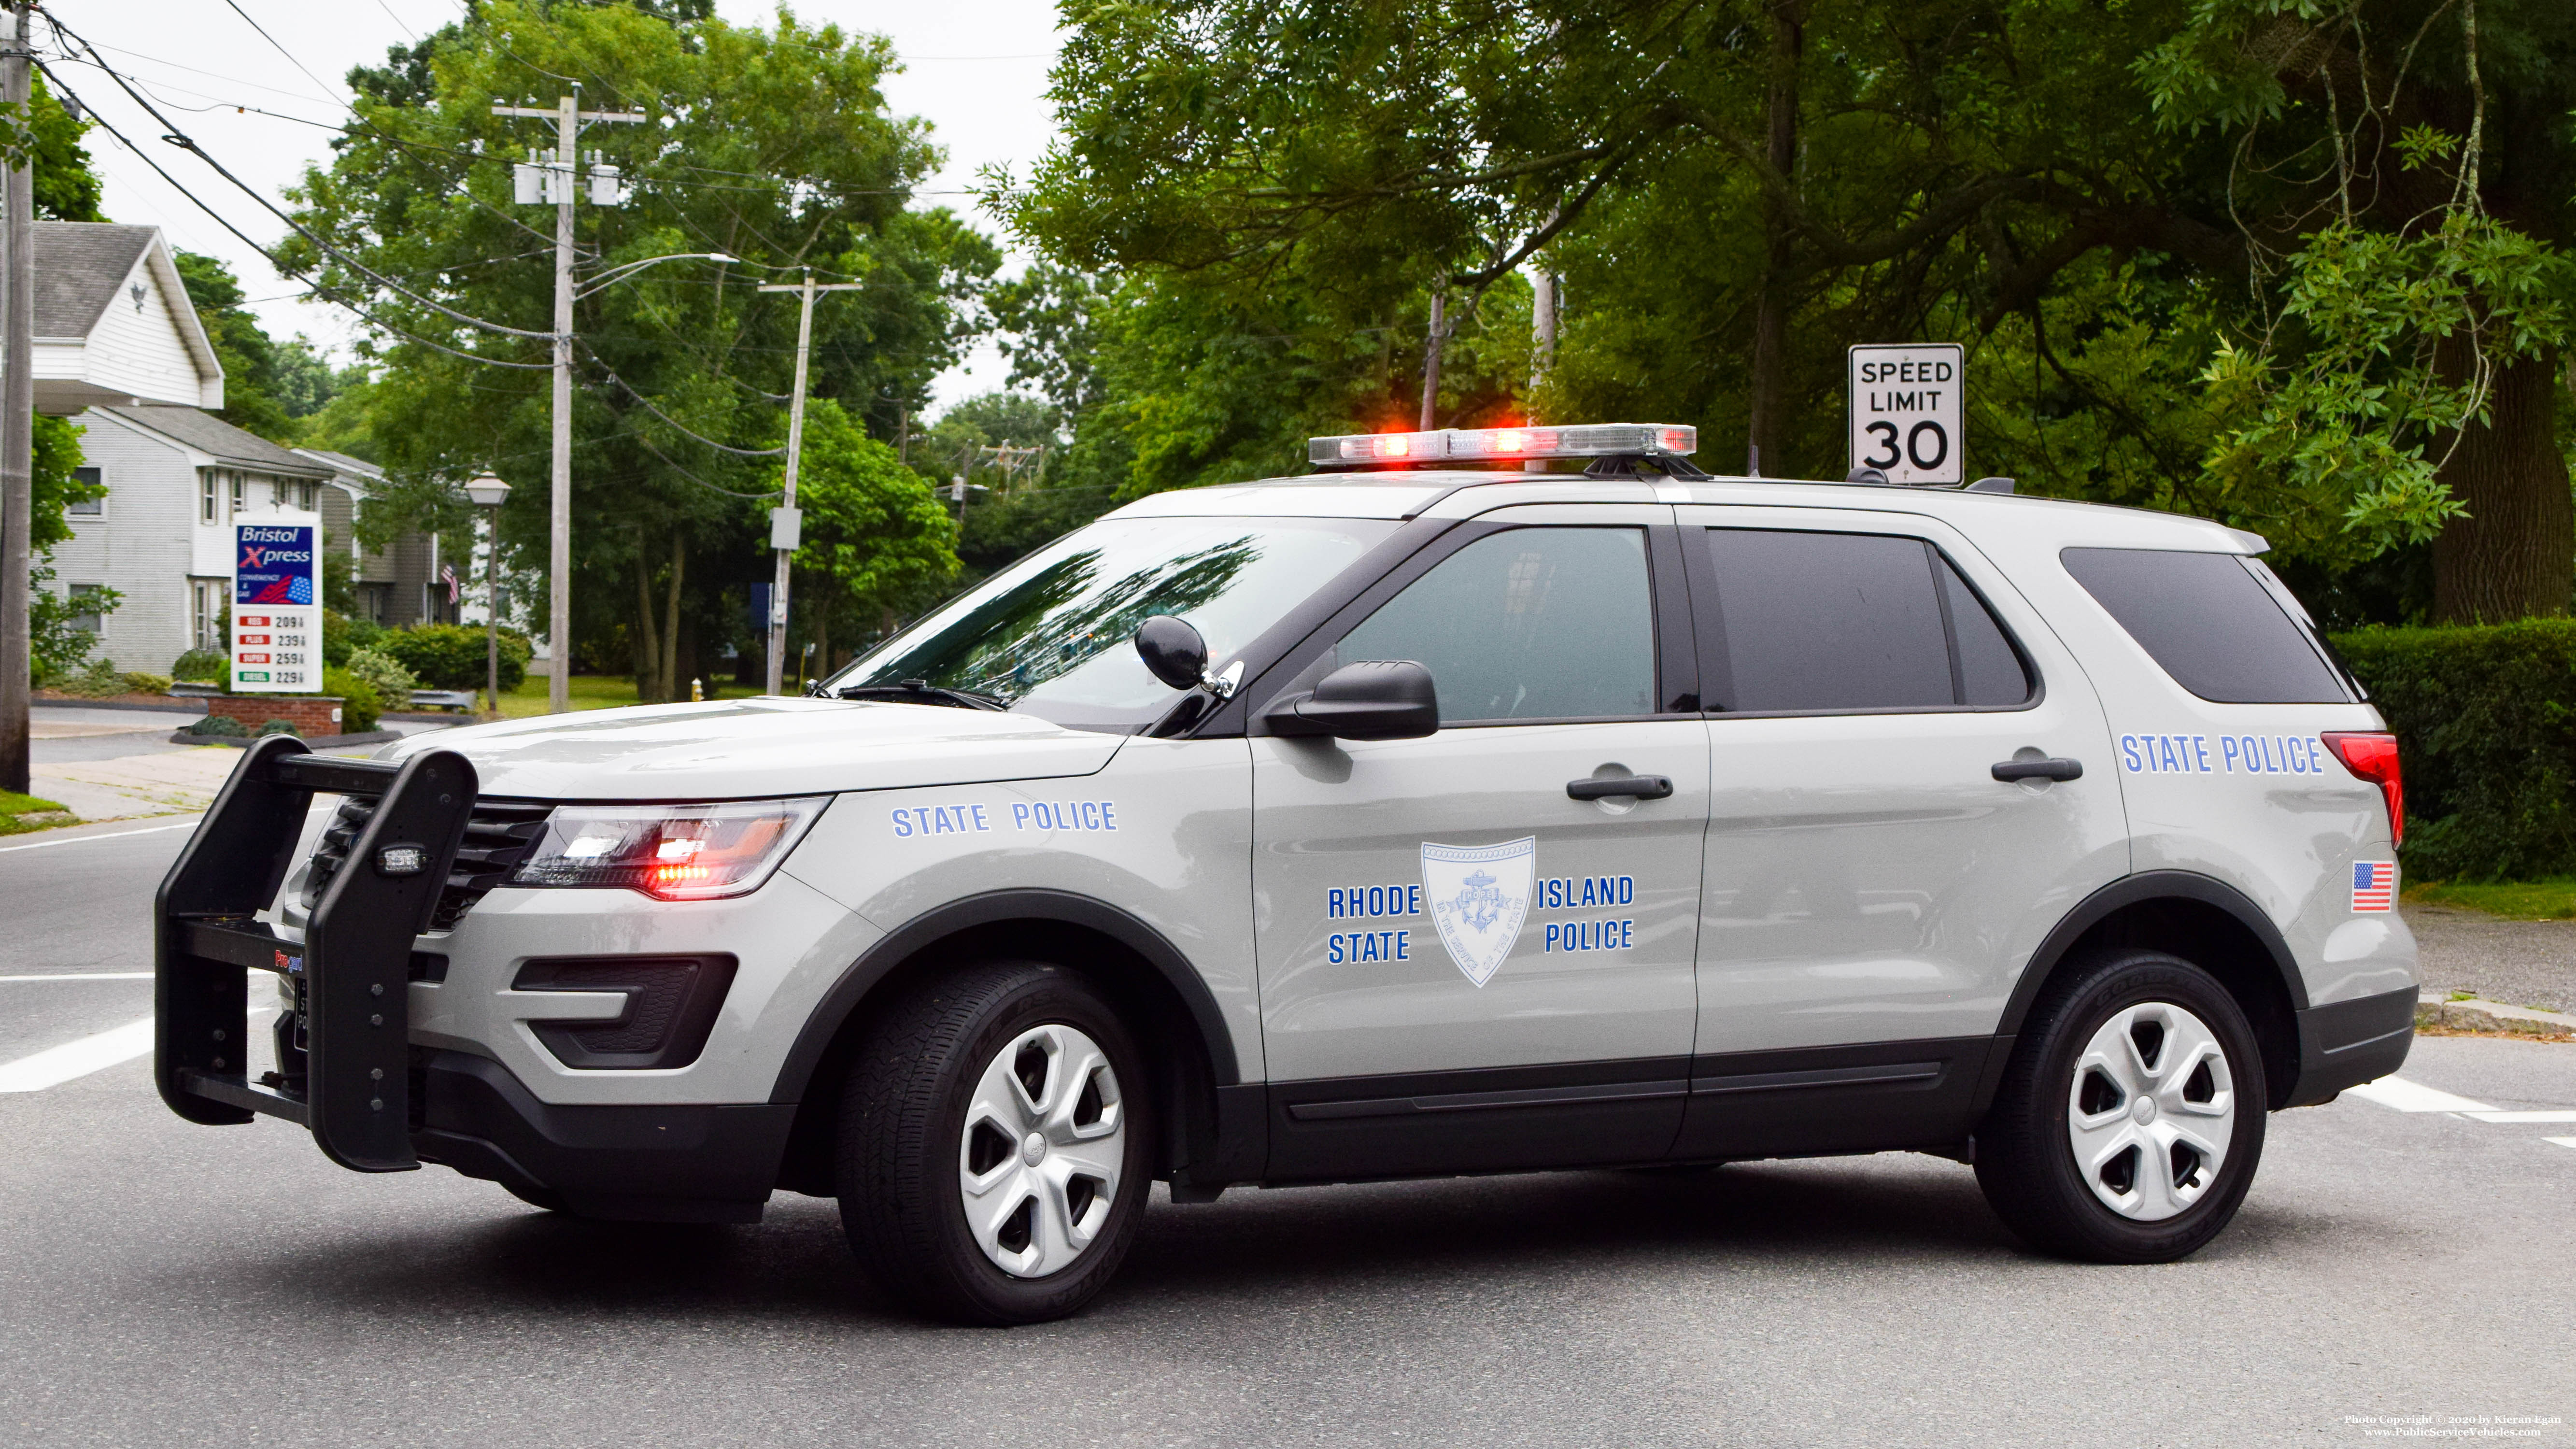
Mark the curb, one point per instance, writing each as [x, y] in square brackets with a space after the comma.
[2475, 1015]
[176, 708]
[319, 742]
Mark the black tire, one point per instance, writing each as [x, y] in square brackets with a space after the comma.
[2026, 1161]
[902, 1139]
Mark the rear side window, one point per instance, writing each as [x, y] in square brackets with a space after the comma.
[1851, 622]
[2208, 622]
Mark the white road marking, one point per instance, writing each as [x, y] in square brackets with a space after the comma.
[2561, 1141]
[189, 824]
[2406, 1096]
[53, 1067]
[146, 976]
[2524, 1116]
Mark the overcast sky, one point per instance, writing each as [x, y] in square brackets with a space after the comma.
[975, 69]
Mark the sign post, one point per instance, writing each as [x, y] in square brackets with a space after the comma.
[277, 605]
[1906, 412]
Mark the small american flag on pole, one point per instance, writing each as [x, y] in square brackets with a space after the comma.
[2374, 885]
[453, 588]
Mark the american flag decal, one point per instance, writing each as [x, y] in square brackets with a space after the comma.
[2374, 885]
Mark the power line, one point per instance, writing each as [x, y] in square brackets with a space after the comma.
[182, 140]
[320, 289]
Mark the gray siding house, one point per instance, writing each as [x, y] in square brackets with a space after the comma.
[119, 350]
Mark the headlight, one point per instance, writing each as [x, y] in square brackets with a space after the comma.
[675, 852]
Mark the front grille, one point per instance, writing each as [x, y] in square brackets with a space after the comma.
[498, 836]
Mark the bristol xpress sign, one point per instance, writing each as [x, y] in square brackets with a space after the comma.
[277, 605]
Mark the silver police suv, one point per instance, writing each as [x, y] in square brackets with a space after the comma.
[1430, 814]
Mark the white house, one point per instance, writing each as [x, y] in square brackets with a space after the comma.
[113, 323]
[119, 350]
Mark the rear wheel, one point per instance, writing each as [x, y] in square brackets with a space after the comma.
[995, 1138]
[2130, 1119]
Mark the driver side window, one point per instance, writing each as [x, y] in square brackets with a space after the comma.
[1527, 624]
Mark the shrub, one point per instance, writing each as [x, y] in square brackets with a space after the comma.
[450, 656]
[360, 704]
[277, 727]
[100, 680]
[202, 666]
[218, 724]
[384, 674]
[343, 636]
[2486, 727]
[138, 682]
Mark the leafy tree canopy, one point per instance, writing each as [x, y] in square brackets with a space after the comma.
[769, 144]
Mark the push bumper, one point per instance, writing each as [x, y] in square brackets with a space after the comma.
[2351, 1042]
[345, 1069]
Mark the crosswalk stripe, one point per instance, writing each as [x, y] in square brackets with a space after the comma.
[111, 835]
[2524, 1116]
[57, 1065]
[2405, 1096]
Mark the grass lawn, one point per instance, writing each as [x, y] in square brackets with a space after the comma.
[596, 691]
[19, 813]
[2520, 900]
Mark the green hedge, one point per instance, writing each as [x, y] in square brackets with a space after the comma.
[450, 656]
[2486, 730]
[359, 706]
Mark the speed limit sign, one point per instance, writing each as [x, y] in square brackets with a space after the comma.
[1905, 411]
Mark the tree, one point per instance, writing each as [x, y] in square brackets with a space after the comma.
[875, 543]
[769, 144]
[66, 188]
[2410, 183]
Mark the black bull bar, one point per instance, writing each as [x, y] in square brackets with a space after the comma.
[344, 1067]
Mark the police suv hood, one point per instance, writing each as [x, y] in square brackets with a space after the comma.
[754, 748]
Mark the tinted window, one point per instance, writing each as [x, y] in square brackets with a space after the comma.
[2208, 623]
[1053, 635]
[1534, 623]
[1990, 673]
[1851, 621]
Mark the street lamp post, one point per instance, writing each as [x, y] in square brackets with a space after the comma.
[489, 493]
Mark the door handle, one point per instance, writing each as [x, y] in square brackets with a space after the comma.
[2054, 769]
[1643, 787]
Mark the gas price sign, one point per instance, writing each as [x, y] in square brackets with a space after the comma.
[277, 605]
[1905, 411]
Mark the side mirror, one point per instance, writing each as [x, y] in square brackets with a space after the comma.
[1383, 699]
[1173, 651]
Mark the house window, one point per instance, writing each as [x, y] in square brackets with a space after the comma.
[238, 483]
[88, 507]
[304, 496]
[85, 619]
[206, 612]
[205, 495]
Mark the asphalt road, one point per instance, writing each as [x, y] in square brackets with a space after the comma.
[163, 1284]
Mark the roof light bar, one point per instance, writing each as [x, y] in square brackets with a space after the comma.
[1462, 445]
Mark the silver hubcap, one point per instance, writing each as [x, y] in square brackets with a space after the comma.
[2151, 1111]
[1045, 1142]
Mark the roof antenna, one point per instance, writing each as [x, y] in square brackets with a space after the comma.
[1753, 460]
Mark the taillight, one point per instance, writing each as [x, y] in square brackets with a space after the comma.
[2373, 757]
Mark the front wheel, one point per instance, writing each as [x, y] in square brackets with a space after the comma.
[995, 1145]
[2130, 1118]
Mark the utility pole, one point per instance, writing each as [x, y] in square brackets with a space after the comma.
[1431, 359]
[568, 118]
[18, 402]
[784, 521]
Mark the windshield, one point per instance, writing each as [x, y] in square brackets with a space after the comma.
[1053, 635]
